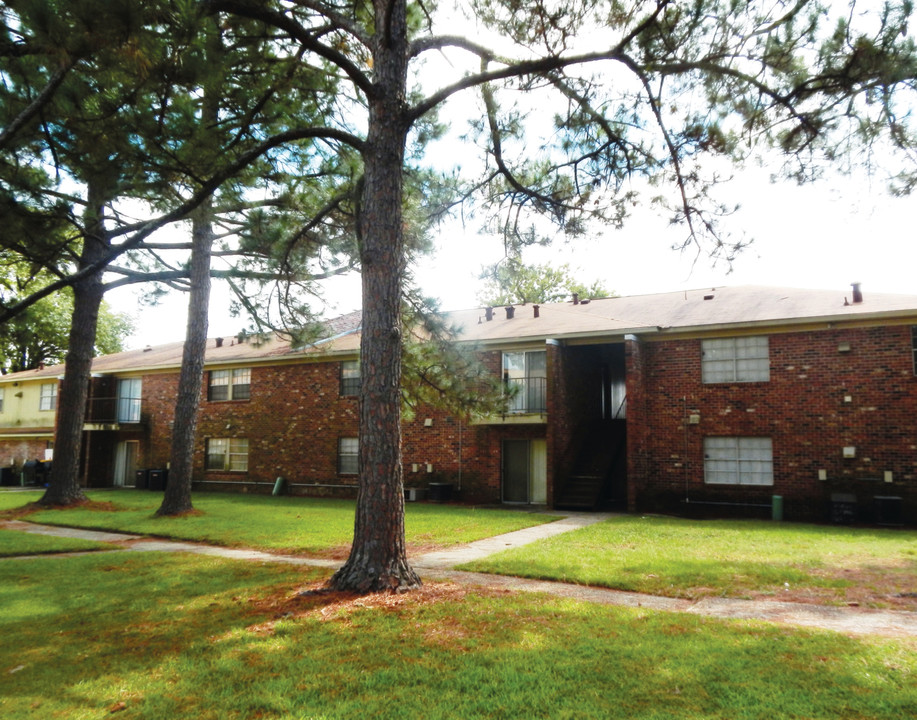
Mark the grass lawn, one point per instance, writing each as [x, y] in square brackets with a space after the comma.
[317, 527]
[171, 636]
[10, 499]
[13, 542]
[697, 558]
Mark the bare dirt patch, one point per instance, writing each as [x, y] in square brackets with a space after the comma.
[326, 605]
[891, 587]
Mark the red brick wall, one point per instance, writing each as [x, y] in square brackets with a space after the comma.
[803, 408]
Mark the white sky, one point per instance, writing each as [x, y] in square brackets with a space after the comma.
[825, 235]
[817, 236]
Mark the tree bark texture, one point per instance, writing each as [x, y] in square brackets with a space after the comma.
[177, 497]
[64, 482]
[378, 558]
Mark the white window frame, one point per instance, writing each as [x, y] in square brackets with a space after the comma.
[348, 456]
[233, 380]
[746, 461]
[526, 371]
[47, 400]
[130, 392]
[350, 378]
[231, 452]
[735, 360]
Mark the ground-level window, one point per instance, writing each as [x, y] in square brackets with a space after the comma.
[350, 377]
[48, 398]
[744, 359]
[738, 461]
[348, 456]
[227, 454]
[232, 384]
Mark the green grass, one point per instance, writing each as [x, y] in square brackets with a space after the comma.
[10, 499]
[283, 524]
[171, 636]
[13, 542]
[694, 558]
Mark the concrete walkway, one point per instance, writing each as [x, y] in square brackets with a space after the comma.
[439, 565]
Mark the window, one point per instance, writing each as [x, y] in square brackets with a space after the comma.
[738, 461]
[744, 359]
[348, 456]
[48, 398]
[228, 454]
[914, 346]
[230, 384]
[525, 380]
[350, 377]
[129, 391]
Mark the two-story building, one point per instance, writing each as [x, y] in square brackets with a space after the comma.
[714, 401]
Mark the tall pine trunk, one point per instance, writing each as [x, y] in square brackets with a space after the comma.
[177, 498]
[378, 558]
[64, 482]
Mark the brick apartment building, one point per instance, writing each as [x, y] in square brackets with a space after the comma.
[702, 402]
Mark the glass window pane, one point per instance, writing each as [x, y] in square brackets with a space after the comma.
[348, 456]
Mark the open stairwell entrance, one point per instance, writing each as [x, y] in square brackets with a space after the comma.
[598, 478]
[592, 467]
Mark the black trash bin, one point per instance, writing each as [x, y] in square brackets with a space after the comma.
[888, 510]
[440, 492]
[142, 479]
[158, 479]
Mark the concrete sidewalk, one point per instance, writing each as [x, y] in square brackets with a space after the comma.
[439, 565]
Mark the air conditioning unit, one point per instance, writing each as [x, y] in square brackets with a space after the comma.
[414, 494]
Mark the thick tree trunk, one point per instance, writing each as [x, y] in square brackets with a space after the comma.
[64, 482]
[378, 559]
[177, 498]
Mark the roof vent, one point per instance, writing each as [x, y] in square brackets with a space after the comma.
[510, 312]
[219, 342]
[536, 309]
[488, 314]
[576, 298]
[708, 297]
[147, 348]
[857, 293]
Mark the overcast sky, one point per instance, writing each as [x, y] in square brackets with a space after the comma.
[822, 236]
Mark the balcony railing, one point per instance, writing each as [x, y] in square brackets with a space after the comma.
[526, 395]
[110, 410]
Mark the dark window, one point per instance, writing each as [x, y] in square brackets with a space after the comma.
[914, 346]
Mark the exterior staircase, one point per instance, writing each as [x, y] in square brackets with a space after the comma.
[599, 463]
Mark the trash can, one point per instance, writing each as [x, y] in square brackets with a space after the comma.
[158, 479]
[142, 479]
[440, 492]
[7, 476]
[29, 474]
[888, 510]
[279, 484]
[777, 508]
[843, 508]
